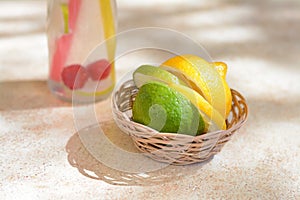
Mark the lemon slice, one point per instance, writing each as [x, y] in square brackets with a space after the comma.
[205, 78]
[211, 116]
[221, 68]
[65, 12]
[108, 21]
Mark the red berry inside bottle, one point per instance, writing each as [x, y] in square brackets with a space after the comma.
[74, 76]
[99, 70]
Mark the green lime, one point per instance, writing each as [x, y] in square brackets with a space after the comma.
[166, 110]
[148, 73]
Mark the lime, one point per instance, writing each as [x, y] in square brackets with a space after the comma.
[148, 73]
[166, 110]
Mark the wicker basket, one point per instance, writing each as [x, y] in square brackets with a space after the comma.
[177, 149]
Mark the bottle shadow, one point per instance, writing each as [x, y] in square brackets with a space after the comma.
[80, 157]
[21, 95]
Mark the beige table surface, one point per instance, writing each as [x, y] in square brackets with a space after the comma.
[259, 40]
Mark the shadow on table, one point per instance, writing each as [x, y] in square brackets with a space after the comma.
[80, 157]
[21, 95]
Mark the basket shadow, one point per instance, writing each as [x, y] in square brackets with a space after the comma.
[82, 159]
[20, 95]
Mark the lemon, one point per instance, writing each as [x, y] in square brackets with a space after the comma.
[182, 77]
[166, 110]
[221, 68]
[146, 73]
[213, 119]
[65, 11]
[205, 79]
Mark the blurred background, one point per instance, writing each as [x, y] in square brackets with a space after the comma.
[252, 29]
[259, 40]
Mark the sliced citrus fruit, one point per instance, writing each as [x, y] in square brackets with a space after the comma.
[65, 11]
[166, 110]
[182, 77]
[211, 116]
[221, 68]
[147, 73]
[205, 78]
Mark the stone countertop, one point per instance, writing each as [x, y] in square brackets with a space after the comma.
[42, 157]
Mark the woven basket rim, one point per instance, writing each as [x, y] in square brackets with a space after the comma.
[235, 126]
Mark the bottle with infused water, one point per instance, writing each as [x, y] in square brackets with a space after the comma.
[74, 29]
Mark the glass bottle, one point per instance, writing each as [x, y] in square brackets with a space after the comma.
[74, 29]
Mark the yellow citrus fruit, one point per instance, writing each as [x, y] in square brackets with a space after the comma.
[221, 68]
[204, 77]
[213, 119]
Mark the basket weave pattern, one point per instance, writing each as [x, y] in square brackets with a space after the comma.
[177, 149]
